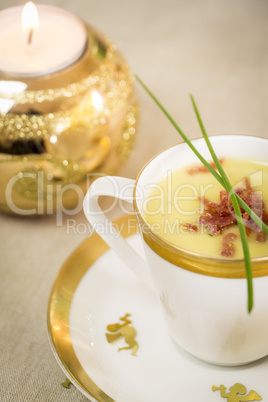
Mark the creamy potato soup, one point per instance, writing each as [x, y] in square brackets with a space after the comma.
[190, 208]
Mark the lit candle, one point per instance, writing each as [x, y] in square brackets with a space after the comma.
[34, 43]
[30, 20]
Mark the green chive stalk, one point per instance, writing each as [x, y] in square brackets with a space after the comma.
[184, 137]
[224, 181]
[237, 211]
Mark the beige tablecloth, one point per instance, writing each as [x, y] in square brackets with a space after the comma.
[215, 49]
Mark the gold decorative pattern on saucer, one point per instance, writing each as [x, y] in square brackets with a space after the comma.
[60, 304]
[237, 393]
[88, 293]
[123, 330]
[67, 383]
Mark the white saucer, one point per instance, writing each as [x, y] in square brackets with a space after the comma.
[85, 300]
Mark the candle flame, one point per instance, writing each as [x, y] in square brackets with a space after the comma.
[29, 17]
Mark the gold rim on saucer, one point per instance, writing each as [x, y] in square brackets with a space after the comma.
[59, 306]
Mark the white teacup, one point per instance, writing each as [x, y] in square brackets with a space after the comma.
[204, 298]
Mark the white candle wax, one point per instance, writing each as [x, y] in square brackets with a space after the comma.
[59, 40]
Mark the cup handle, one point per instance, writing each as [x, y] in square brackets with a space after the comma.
[120, 188]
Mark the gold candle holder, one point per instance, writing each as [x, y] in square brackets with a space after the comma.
[64, 129]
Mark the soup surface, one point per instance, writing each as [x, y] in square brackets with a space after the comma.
[179, 208]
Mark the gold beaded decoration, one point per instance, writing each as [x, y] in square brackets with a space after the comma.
[65, 127]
